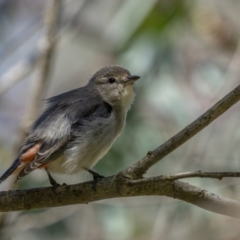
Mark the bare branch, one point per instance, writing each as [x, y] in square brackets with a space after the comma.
[136, 170]
[113, 187]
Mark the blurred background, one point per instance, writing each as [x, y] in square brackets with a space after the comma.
[188, 56]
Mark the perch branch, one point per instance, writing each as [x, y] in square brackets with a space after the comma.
[112, 187]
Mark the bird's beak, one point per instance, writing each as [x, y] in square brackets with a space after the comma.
[132, 79]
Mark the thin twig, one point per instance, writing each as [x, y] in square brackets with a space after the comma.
[216, 175]
[136, 170]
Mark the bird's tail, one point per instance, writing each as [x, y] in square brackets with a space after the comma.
[10, 170]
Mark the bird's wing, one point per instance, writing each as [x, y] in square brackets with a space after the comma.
[47, 152]
[60, 119]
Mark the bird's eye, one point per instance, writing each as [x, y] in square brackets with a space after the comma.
[111, 80]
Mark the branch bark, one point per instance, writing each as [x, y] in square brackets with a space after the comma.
[136, 170]
[113, 187]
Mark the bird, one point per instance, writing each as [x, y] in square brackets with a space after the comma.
[78, 127]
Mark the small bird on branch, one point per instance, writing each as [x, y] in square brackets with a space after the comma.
[78, 127]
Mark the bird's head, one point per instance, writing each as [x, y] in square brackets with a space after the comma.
[115, 85]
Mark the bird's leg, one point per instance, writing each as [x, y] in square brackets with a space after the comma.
[51, 179]
[96, 176]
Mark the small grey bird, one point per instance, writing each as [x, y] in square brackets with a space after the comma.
[78, 127]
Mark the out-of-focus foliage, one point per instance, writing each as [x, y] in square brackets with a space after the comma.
[187, 54]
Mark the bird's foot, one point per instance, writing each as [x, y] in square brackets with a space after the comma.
[96, 176]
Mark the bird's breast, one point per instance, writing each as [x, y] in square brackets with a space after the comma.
[91, 143]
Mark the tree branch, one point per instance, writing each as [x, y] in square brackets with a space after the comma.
[136, 170]
[112, 187]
